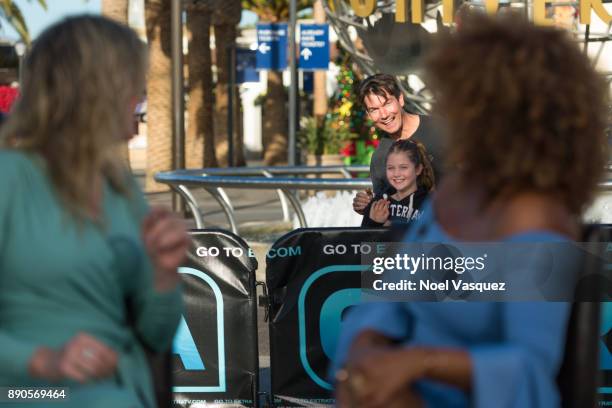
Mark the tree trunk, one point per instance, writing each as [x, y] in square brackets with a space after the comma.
[275, 125]
[320, 77]
[200, 138]
[118, 10]
[225, 36]
[159, 87]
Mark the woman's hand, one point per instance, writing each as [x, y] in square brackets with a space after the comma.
[379, 212]
[378, 374]
[83, 358]
[166, 241]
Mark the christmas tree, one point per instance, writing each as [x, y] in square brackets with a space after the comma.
[347, 116]
[345, 129]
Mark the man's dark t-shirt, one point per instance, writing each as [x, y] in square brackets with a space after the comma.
[429, 133]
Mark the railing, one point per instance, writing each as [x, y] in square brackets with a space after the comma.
[266, 178]
[214, 179]
[278, 170]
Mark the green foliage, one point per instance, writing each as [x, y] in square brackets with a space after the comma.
[273, 11]
[323, 139]
[362, 154]
[345, 113]
[346, 129]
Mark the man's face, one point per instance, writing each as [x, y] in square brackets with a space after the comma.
[385, 111]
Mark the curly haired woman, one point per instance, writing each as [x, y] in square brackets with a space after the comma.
[526, 118]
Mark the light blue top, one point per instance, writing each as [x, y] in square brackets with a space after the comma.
[58, 278]
[516, 347]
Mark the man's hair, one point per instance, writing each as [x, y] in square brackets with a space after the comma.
[525, 109]
[378, 84]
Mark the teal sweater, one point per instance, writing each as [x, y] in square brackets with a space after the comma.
[58, 278]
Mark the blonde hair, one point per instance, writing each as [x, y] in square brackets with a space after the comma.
[79, 79]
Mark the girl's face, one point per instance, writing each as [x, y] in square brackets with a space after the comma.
[402, 173]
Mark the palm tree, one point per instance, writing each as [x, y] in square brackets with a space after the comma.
[274, 107]
[200, 137]
[159, 86]
[227, 15]
[11, 12]
[118, 11]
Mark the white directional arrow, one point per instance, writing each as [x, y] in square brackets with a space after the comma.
[306, 53]
[263, 48]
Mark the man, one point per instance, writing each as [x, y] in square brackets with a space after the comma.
[383, 101]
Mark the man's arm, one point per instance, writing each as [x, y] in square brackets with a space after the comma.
[361, 201]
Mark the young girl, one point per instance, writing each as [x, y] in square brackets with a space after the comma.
[410, 175]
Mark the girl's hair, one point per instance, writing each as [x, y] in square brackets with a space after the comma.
[79, 80]
[418, 156]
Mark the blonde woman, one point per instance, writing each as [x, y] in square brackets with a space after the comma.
[78, 244]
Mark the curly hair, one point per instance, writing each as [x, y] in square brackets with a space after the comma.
[524, 107]
[417, 154]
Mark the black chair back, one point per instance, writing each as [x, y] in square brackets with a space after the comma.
[161, 371]
[579, 376]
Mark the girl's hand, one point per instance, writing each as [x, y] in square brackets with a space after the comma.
[379, 212]
[166, 241]
[83, 358]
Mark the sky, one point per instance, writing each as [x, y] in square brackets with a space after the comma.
[38, 19]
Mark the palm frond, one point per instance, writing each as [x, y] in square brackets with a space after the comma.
[12, 14]
[42, 3]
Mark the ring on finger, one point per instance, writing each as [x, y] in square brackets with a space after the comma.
[357, 382]
[88, 353]
[342, 375]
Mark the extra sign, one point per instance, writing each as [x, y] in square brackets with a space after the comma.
[314, 46]
[272, 46]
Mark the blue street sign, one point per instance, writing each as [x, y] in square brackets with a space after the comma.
[246, 66]
[314, 46]
[272, 46]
